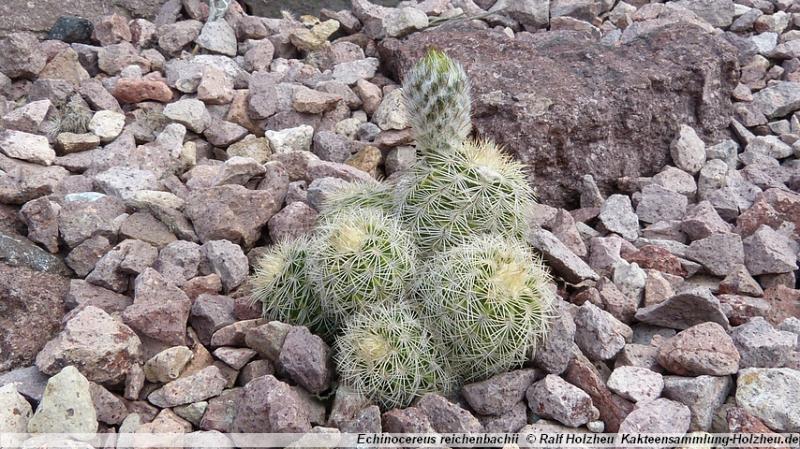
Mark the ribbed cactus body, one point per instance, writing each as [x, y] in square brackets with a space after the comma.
[476, 190]
[280, 282]
[360, 257]
[489, 302]
[359, 195]
[386, 354]
[438, 102]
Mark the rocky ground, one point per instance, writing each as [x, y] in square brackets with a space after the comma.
[146, 164]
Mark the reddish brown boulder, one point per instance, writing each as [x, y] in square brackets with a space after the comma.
[562, 102]
[138, 90]
[31, 308]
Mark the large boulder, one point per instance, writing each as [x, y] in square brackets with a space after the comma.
[31, 309]
[568, 105]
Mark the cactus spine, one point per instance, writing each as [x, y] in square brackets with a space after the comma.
[475, 190]
[438, 102]
[280, 282]
[489, 302]
[361, 257]
[359, 195]
[386, 354]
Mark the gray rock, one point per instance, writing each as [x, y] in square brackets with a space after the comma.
[29, 382]
[762, 346]
[496, 395]
[563, 261]
[290, 139]
[209, 314]
[768, 252]
[555, 352]
[110, 408]
[100, 346]
[190, 113]
[22, 56]
[658, 203]
[659, 416]
[638, 355]
[85, 215]
[702, 349]
[702, 220]
[228, 261]
[306, 359]
[218, 37]
[178, 261]
[635, 383]
[15, 412]
[17, 251]
[676, 180]
[66, 406]
[402, 21]
[160, 310]
[779, 99]
[684, 310]
[702, 394]
[447, 417]
[688, 151]
[554, 398]
[770, 394]
[271, 405]
[167, 365]
[82, 294]
[352, 71]
[599, 335]
[27, 147]
[204, 384]
[295, 220]
[718, 253]
[511, 420]
[617, 216]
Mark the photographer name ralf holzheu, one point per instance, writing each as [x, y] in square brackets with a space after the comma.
[576, 438]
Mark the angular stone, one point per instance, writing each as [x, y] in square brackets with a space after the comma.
[100, 346]
[110, 409]
[83, 294]
[616, 215]
[167, 365]
[211, 313]
[138, 90]
[447, 417]
[228, 261]
[83, 258]
[703, 57]
[15, 412]
[160, 310]
[702, 221]
[613, 409]
[269, 404]
[107, 125]
[702, 394]
[218, 37]
[22, 56]
[178, 261]
[720, 253]
[635, 383]
[494, 396]
[762, 346]
[306, 359]
[767, 252]
[84, 216]
[66, 406]
[554, 398]
[290, 139]
[232, 212]
[145, 227]
[27, 147]
[658, 203]
[555, 352]
[29, 382]
[684, 310]
[408, 420]
[770, 394]
[204, 384]
[236, 358]
[190, 113]
[779, 99]
[566, 263]
[702, 349]
[599, 335]
[659, 416]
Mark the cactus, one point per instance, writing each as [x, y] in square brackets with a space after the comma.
[437, 98]
[361, 257]
[478, 189]
[386, 354]
[488, 301]
[280, 282]
[72, 116]
[369, 194]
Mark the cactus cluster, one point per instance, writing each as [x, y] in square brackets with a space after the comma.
[423, 283]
